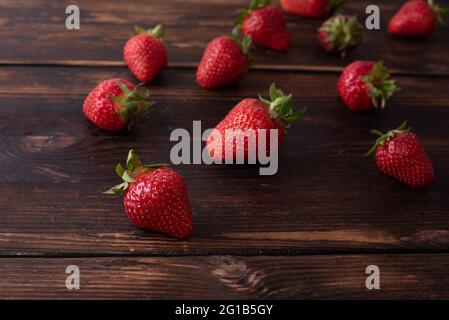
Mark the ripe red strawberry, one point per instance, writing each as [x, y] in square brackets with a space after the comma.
[400, 154]
[312, 8]
[417, 18]
[224, 62]
[365, 85]
[155, 197]
[339, 34]
[253, 114]
[114, 104]
[264, 23]
[145, 54]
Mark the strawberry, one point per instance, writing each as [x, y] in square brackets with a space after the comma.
[145, 54]
[400, 154]
[340, 34]
[264, 23]
[114, 104]
[312, 8]
[365, 85]
[225, 61]
[417, 18]
[155, 197]
[253, 114]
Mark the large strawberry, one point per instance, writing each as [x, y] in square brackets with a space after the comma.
[114, 104]
[225, 61]
[365, 85]
[340, 33]
[155, 197]
[145, 54]
[246, 118]
[417, 18]
[264, 23]
[312, 8]
[401, 155]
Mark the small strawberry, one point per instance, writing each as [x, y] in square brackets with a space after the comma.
[253, 114]
[417, 18]
[155, 197]
[264, 23]
[365, 85]
[114, 104]
[145, 54]
[400, 154]
[312, 8]
[340, 34]
[225, 61]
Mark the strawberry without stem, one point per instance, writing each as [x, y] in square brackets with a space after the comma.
[400, 154]
[155, 197]
[114, 104]
[253, 114]
[339, 34]
[417, 18]
[225, 61]
[264, 23]
[145, 54]
[365, 85]
[312, 8]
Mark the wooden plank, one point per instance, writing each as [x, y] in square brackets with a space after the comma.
[228, 277]
[326, 197]
[34, 32]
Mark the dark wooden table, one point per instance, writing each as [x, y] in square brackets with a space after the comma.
[308, 232]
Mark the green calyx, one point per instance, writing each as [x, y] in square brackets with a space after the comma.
[157, 32]
[254, 5]
[135, 103]
[244, 41]
[281, 107]
[237, 33]
[343, 32]
[380, 86]
[439, 11]
[335, 6]
[384, 137]
[134, 167]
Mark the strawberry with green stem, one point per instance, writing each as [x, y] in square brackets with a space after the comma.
[264, 23]
[366, 85]
[145, 54]
[340, 33]
[155, 197]
[225, 61]
[417, 18]
[115, 104]
[400, 154]
[251, 115]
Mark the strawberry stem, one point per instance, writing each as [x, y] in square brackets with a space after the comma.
[281, 107]
[244, 41]
[380, 86]
[343, 32]
[384, 137]
[135, 103]
[134, 167]
[157, 32]
[439, 11]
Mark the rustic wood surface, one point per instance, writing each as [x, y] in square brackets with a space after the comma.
[307, 232]
[413, 276]
[106, 25]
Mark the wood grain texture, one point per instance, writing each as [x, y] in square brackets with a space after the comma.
[326, 197]
[34, 32]
[228, 277]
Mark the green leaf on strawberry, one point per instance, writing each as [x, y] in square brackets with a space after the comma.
[380, 86]
[281, 107]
